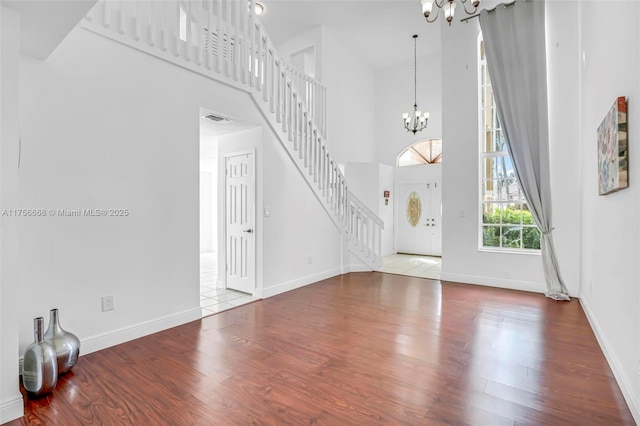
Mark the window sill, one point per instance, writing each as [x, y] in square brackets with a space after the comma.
[535, 252]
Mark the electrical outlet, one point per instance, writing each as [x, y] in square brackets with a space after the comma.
[310, 260]
[107, 303]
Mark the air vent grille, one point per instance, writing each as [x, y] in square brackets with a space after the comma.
[217, 118]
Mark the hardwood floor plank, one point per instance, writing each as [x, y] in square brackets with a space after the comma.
[358, 349]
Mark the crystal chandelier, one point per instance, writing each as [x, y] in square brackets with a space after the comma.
[449, 7]
[418, 120]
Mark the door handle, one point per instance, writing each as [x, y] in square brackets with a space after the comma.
[250, 231]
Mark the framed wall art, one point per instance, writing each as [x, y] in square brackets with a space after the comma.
[613, 149]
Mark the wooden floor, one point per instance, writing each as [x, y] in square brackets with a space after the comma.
[360, 349]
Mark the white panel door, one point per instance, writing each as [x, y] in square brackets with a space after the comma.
[425, 236]
[240, 222]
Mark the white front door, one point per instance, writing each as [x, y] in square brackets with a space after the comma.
[240, 221]
[419, 218]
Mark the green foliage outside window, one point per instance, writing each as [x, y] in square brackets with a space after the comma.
[502, 228]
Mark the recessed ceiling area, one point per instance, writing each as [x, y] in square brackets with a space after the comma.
[377, 31]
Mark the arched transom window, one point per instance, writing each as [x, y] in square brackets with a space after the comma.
[424, 152]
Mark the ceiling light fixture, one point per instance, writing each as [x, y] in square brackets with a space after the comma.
[259, 9]
[449, 7]
[418, 120]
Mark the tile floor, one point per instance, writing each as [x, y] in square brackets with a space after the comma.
[212, 299]
[413, 265]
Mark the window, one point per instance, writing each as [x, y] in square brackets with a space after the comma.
[425, 152]
[506, 222]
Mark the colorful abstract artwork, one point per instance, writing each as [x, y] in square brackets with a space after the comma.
[613, 147]
[414, 208]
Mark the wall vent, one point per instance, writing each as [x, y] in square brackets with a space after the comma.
[217, 118]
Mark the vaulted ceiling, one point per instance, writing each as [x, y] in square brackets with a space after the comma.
[379, 31]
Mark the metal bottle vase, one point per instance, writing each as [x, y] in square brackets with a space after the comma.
[66, 345]
[40, 367]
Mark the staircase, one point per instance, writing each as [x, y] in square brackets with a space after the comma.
[223, 40]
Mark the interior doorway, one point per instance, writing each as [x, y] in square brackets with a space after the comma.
[418, 211]
[219, 136]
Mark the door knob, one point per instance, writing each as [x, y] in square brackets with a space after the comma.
[250, 231]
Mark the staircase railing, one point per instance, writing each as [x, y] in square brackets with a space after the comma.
[222, 39]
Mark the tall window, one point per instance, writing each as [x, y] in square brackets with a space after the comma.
[506, 222]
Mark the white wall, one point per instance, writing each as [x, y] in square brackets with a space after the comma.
[311, 38]
[350, 93]
[386, 210]
[564, 142]
[11, 405]
[394, 96]
[368, 181]
[609, 246]
[105, 126]
[208, 212]
[350, 101]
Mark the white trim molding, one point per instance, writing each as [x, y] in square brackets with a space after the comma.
[531, 286]
[299, 282]
[11, 408]
[116, 337]
[614, 363]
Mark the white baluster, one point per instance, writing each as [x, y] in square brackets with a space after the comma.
[122, 14]
[106, 13]
[316, 144]
[273, 79]
[200, 28]
[150, 23]
[136, 20]
[163, 27]
[279, 95]
[176, 29]
[227, 38]
[294, 125]
[260, 61]
[283, 82]
[265, 71]
[237, 56]
[186, 53]
[219, 42]
[252, 38]
[244, 63]
[209, 53]
[291, 111]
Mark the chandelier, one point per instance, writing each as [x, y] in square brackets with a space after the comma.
[449, 7]
[418, 120]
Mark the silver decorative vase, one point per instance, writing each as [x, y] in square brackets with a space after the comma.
[66, 345]
[40, 366]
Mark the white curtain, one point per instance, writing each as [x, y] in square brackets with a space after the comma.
[514, 41]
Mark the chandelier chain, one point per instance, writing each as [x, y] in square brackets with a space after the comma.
[415, 72]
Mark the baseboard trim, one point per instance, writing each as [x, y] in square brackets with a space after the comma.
[11, 408]
[614, 363]
[358, 267]
[299, 282]
[530, 286]
[116, 337]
